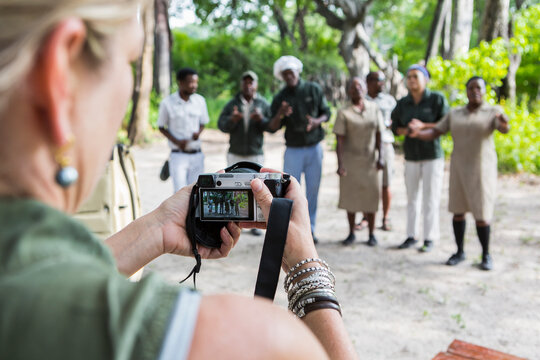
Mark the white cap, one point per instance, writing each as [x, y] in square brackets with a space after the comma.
[287, 62]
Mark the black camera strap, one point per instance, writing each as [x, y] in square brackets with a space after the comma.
[274, 244]
[190, 229]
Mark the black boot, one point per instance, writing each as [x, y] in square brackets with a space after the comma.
[349, 240]
[372, 241]
[483, 235]
[455, 259]
[459, 233]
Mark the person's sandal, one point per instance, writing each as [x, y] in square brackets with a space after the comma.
[386, 226]
[362, 224]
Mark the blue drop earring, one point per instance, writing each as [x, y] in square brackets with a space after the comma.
[66, 175]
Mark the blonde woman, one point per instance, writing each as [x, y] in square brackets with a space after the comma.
[65, 82]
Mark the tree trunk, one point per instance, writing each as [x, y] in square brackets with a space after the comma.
[462, 18]
[299, 19]
[443, 6]
[495, 20]
[281, 23]
[139, 121]
[508, 88]
[445, 37]
[162, 54]
[353, 53]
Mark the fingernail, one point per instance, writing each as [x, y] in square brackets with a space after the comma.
[256, 185]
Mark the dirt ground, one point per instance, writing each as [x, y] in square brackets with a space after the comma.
[397, 304]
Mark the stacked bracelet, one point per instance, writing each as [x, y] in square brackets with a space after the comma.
[311, 288]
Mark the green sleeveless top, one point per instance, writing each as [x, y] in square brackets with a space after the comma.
[61, 296]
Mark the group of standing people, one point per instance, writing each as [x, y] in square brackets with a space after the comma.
[422, 116]
[300, 106]
[365, 130]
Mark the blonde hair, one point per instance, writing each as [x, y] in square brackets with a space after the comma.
[24, 24]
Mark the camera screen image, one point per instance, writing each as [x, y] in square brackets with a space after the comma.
[223, 204]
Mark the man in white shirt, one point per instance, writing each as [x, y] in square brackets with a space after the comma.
[182, 116]
[375, 83]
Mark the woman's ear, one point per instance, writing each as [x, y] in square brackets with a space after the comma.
[54, 78]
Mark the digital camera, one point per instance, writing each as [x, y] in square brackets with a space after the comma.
[228, 196]
[218, 198]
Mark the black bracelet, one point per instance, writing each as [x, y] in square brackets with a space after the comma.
[312, 299]
[322, 305]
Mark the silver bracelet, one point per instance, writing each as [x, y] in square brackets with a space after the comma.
[288, 280]
[316, 277]
[305, 261]
[317, 274]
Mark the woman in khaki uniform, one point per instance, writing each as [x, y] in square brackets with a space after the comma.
[473, 167]
[358, 131]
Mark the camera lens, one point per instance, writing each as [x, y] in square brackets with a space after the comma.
[218, 183]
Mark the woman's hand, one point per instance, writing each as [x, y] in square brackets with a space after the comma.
[299, 244]
[415, 125]
[171, 215]
[341, 171]
[502, 123]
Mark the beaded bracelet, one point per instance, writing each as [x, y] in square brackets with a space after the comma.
[303, 262]
[306, 261]
[288, 280]
[315, 278]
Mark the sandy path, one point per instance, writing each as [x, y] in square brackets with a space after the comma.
[397, 304]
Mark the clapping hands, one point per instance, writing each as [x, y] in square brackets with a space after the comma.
[236, 115]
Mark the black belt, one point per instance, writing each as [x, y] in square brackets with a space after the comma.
[186, 151]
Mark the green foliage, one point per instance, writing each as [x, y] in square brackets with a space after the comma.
[525, 41]
[488, 60]
[518, 150]
[153, 114]
[403, 28]
[220, 59]
[215, 106]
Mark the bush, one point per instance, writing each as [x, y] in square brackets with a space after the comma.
[518, 150]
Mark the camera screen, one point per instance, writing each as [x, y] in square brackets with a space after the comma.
[223, 204]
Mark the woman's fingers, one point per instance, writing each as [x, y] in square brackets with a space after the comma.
[262, 196]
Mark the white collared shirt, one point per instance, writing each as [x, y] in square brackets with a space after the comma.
[386, 103]
[246, 110]
[183, 118]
